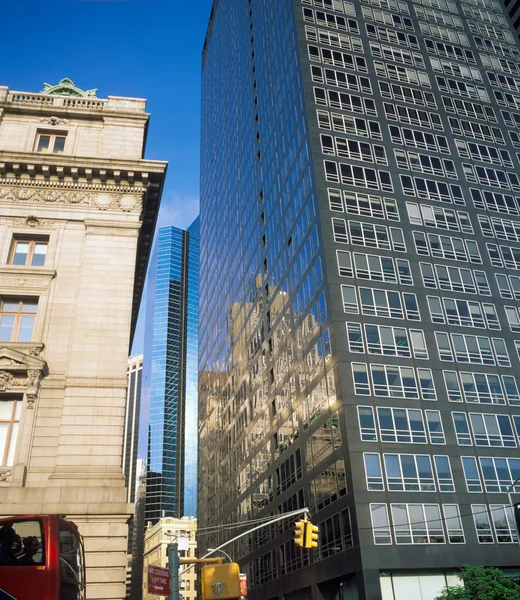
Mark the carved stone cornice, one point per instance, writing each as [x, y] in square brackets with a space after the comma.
[17, 192]
[15, 363]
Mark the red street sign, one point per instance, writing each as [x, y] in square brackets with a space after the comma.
[158, 580]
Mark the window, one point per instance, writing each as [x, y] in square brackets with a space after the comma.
[382, 268]
[453, 524]
[350, 125]
[482, 153]
[491, 177]
[445, 34]
[461, 88]
[28, 252]
[358, 203]
[372, 235]
[339, 79]
[435, 430]
[507, 99]
[504, 256]
[338, 59]
[373, 473]
[401, 425]
[484, 388]
[385, 18]
[417, 524]
[491, 32]
[10, 411]
[449, 51]
[443, 473]
[392, 37]
[471, 474]
[380, 524]
[392, 381]
[508, 285]
[419, 139]
[395, 5]
[394, 54]
[358, 176]
[330, 20]
[503, 523]
[495, 202]
[473, 110]
[460, 422]
[423, 163]
[352, 149]
[513, 318]
[492, 430]
[382, 339]
[408, 473]
[50, 142]
[463, 312]
[71, 557]
[32, 552]
[496, 48]
[482, 523]
[387, 303]
[432, 190]
[456, 70]
[443, 246]
[438, 17]
[477, 131]
[344, 101]
[413, 116]
[367, 426]
[331, 38]
[472, 349]
[17, 319]
[438, 217]
[500, 473]
[455, 279]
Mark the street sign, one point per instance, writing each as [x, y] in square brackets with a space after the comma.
[183, 543]
[243, 585]
[158, 581]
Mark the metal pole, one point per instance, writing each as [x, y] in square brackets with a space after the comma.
[173, 564]
[511, 505]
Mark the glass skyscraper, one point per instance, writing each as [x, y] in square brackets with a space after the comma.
[170, 374]
[360, 326]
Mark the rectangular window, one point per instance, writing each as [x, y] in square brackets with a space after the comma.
[495, 202]
[435, 430]
[409, 473]
[453, 524]
[430, 189]
[449, 51]
[417, 524]
[471, 474]
[465, 108]
[380, 524]
[472, 349]
[373, 473]
[513, 318]
[389, 304]
[382, 268]
[358, 176]
[413, 116]
[401, 425]
[424, 163]
[439, 217]
[492, 430]
[445, 34]
[392, 37]
[10, 411]
[503, 523]
[393, 381]
[27, 252]
[350, 125]
[455, 279]
[444, 474]
[17, 317]
[460, 423]
[482, 523]
[367, 425]
[409, 95]
[500, 473]
[50, 142]
[477, 131]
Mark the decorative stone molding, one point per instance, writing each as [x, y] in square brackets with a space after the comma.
[66, 87]
[25, 277]
[14, 363]
[104, 201]
[53, 121]
[30, 221]
[5, 475]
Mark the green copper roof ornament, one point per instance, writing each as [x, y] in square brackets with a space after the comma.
[67, 88]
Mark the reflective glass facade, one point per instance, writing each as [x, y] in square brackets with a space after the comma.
[170, 375]
[360, 329]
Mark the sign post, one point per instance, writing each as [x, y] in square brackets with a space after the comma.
[158, 581]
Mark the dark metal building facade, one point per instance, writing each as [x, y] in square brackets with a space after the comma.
[360, 329]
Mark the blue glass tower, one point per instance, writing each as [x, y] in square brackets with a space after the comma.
[170, 375]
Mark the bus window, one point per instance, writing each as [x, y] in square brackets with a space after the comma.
[71, 565]
[21, 543]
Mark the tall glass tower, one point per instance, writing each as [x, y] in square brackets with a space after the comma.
[360, 327]
[170, 375]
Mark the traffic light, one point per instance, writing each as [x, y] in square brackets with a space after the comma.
[299, 532]
[311, 536]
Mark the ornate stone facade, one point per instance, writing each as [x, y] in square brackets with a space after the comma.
[91, 201]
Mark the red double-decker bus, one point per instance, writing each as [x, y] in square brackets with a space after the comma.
[41, 558]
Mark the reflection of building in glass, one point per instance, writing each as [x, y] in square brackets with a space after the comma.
[157, 537]
[169, 423]
[360, 224]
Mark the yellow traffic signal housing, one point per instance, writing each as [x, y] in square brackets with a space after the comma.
[299, 532]
[311, 536]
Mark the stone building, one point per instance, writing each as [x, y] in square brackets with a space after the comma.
[78, 205]
[156, 540]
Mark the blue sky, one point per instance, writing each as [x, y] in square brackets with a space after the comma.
[142, 48]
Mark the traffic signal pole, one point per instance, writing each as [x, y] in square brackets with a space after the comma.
[294, 513]
[173, 564]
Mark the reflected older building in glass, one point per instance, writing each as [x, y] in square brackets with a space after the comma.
[359, 290]
[170, 376]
